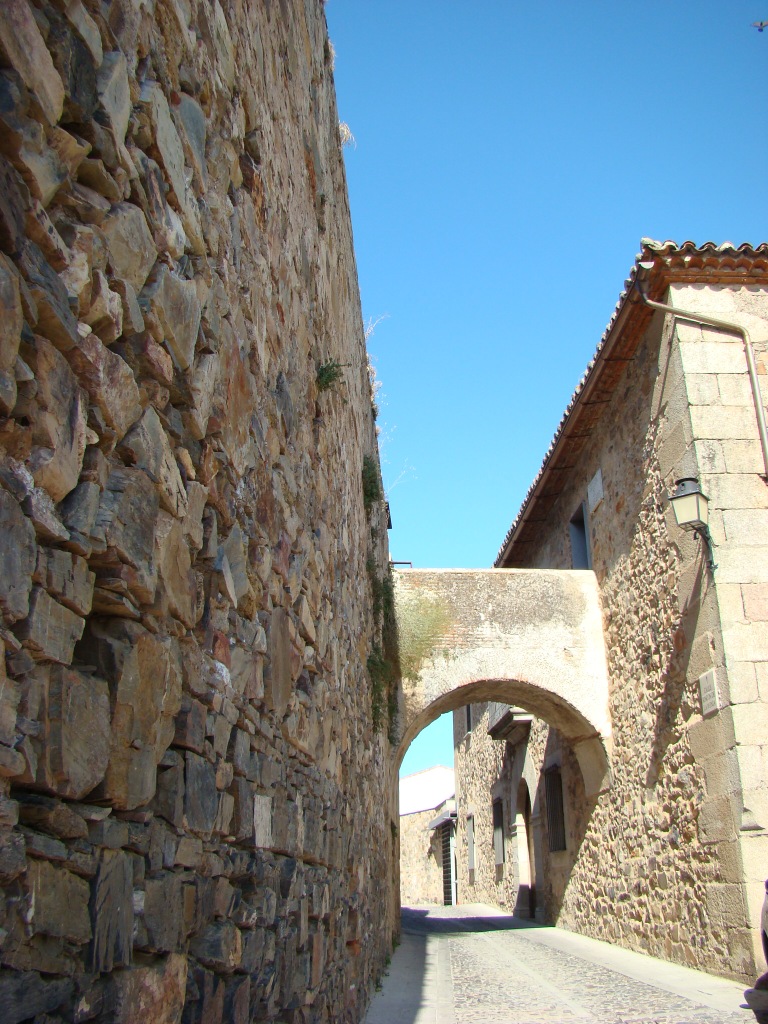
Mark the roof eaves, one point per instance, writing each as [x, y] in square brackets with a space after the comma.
[656, 264]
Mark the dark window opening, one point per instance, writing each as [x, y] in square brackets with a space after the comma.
[553, 789]
[446, 830]
[581, 556]
[470, 843]
[498, 831]
[469, 718]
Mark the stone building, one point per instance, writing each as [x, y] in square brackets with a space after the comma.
[193, 711]
[199, 727]
[670, 857]
[427, 818]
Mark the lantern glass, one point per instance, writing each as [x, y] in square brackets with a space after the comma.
[690, 505]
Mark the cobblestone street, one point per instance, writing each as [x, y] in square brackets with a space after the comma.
[476, 965]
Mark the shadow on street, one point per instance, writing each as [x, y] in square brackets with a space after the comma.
[471, 963]
[417, 921]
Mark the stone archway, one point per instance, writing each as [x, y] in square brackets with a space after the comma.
[532, 638]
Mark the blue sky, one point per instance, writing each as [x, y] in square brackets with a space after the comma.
[509, 156]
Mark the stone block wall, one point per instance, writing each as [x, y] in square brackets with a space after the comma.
[477, 762]
[421, 859]
[731, 742]
[668, 860]
[489, 770]
[192, 792]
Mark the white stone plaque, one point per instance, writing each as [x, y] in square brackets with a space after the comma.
[595, 491]
[710, 698]
[262, 821]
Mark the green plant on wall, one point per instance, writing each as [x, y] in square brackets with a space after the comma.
[376, 590]
[329, 374]
[392, 712]
[381, 676]
[389, 634]
[383, 662]
[422, 624]
[372, 492]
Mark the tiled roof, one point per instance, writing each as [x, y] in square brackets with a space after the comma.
[657, 265]
[701, 259]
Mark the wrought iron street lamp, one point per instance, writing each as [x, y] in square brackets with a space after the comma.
[691, 508]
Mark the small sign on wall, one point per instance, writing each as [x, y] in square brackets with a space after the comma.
[595, 491]
[710, 698]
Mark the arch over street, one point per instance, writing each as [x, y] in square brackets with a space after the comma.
[526, 637]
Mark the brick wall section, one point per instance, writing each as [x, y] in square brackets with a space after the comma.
[662, 861]
[191, 792]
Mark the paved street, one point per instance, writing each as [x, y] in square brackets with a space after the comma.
[476, 965]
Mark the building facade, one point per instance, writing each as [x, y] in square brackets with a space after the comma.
[427, 826]
[670, 858]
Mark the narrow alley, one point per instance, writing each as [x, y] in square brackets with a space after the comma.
[474, 964]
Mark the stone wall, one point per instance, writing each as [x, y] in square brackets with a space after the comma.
[421, 859]
[476, 762]
[526, 883]
[656, 863]
[721, 442]
[467, 635]
[192, 801]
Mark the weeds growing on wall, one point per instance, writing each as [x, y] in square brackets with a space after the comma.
[383, 693]
[424, 622]
[380, 673]
[372, 492]
[374, 384]
[329, 374]
[383, 593]
[392, 711]
[345, 134]
[383, 662]
[389, 622]
[376, 586]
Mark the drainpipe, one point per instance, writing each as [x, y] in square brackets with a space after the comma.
[731, 328]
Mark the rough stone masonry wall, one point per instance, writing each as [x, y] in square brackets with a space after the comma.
[651, 892]
[654, 892]
[478, 759]
[490, 769]
[644, 867]
[191, 790]
[421, 859]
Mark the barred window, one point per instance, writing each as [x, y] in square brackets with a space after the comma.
[553, 789]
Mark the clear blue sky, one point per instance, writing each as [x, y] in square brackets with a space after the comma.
[509, 157]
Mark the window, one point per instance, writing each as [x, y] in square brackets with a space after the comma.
[470, 842]
[581, 556]
[469, 718]
[498, 832]
[446, 843]
[553, 789]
